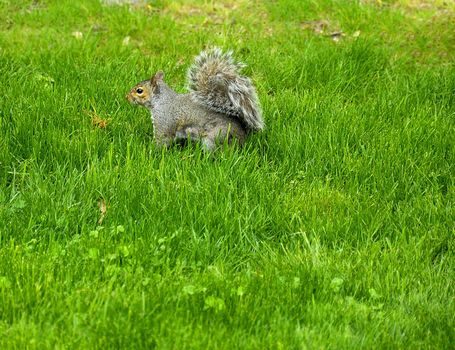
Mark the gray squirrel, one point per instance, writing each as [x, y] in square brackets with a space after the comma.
[222, 105]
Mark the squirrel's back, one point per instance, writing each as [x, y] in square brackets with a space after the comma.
[214, 80]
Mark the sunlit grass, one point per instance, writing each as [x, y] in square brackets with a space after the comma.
[332, 229]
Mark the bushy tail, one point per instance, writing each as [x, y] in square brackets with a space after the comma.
[214, 80]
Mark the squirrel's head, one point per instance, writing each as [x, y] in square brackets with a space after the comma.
[142, 93]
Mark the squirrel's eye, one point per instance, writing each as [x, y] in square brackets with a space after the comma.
[139, 91]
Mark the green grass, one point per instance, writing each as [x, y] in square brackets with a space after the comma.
[332, 229]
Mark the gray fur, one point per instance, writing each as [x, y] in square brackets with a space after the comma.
[176, 117]
[222, 105]
[214, 80]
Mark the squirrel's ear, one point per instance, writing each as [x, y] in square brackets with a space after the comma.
[159, 75]
[154, 81]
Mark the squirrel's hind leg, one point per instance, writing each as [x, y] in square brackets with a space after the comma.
[191, 134]
[208, 143]
[218, 138]
[187, 133]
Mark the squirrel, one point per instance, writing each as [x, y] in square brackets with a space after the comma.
[221, 103]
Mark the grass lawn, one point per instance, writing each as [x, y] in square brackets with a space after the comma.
[332, 229]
